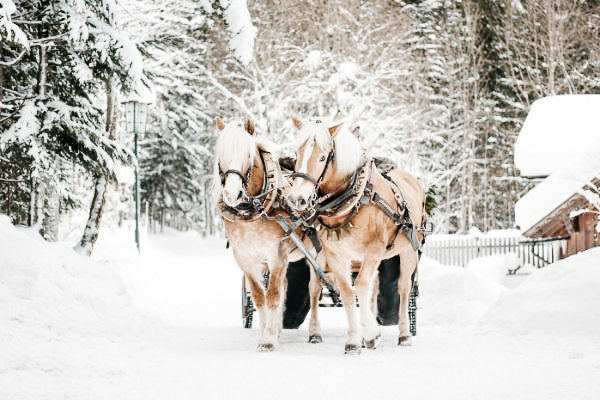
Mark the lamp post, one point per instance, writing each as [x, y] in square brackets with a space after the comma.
[135, 117]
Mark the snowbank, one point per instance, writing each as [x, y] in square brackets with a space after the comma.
[453, 296]
[560, 299]
[58, 312]
[494, 268]
[37, 276]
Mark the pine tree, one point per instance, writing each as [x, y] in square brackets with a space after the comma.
[75, 50]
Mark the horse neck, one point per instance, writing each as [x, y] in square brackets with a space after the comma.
[333, 182]
[257, 176]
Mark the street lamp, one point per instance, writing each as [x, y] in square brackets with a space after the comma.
[135, 118]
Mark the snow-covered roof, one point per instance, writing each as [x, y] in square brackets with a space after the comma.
[567, 180]
[555, 132]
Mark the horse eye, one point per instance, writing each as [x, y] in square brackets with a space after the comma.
[322, 158]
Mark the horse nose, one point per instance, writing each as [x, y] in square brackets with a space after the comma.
[239, 196]
[230, 198]
[299, 203]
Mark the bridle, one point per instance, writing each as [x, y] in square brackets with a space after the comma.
[248, 203]
[317, 182]
[223, 176]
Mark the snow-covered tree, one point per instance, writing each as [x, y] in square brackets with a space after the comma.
[75, 51]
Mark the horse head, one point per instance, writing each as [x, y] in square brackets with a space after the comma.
[324, 152]
[236, 151]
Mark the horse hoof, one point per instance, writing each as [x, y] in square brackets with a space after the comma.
[404, 341]
[315, 339]
[373, 343]
[352, 349]
[266, 347]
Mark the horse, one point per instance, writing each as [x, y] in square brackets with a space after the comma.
[328, 160]
[250, 185]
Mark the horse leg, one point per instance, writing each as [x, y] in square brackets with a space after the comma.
[275, 303]
[364, 286]
[408, 265]
[374, 293]
[341, 272]
[314, 327]
[258, 296]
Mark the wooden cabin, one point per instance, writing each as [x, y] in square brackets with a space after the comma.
[559, 148]
[569, 221]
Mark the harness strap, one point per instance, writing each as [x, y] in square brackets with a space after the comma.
[235, 172]
[345, 195]
[402, 218]
[304, 176]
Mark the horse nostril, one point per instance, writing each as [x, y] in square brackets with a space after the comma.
[239, 196]
[302, 203]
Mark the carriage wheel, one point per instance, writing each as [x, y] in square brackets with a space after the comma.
[247, 306]
[412, 307]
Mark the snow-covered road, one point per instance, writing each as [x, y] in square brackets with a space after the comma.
[167, 325]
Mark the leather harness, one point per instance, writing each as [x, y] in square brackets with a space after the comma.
[253, 207]
[326, 206]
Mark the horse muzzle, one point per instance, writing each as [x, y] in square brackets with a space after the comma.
[232, 199]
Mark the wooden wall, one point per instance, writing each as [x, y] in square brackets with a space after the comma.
[585, 235]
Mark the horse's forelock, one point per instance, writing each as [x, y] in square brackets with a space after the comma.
[235, 143]
[348, 151]
[316, 133]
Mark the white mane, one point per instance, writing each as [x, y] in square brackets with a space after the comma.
[348, 150]
[235, 144]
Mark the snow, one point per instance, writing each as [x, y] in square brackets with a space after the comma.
[7, 27]
[167, 324]
[348, 70]
[561, 299]
[558, 187]
[313, 60]
[560, 138]
[242, 31]
[556, 131]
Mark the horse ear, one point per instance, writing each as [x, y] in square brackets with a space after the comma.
[219, 123]
[334, 130]
[249, 126]
[297, 122]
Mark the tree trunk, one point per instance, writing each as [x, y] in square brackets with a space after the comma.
[90, 233]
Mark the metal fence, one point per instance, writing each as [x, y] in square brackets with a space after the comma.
[460, 250]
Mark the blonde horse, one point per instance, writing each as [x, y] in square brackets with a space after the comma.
[250, 184]
[327, 160]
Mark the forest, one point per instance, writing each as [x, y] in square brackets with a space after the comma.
[442, 87]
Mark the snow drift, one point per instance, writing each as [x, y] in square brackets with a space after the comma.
[453, 296]
[560, 299]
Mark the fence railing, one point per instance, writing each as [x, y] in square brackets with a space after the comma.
[460, 250]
